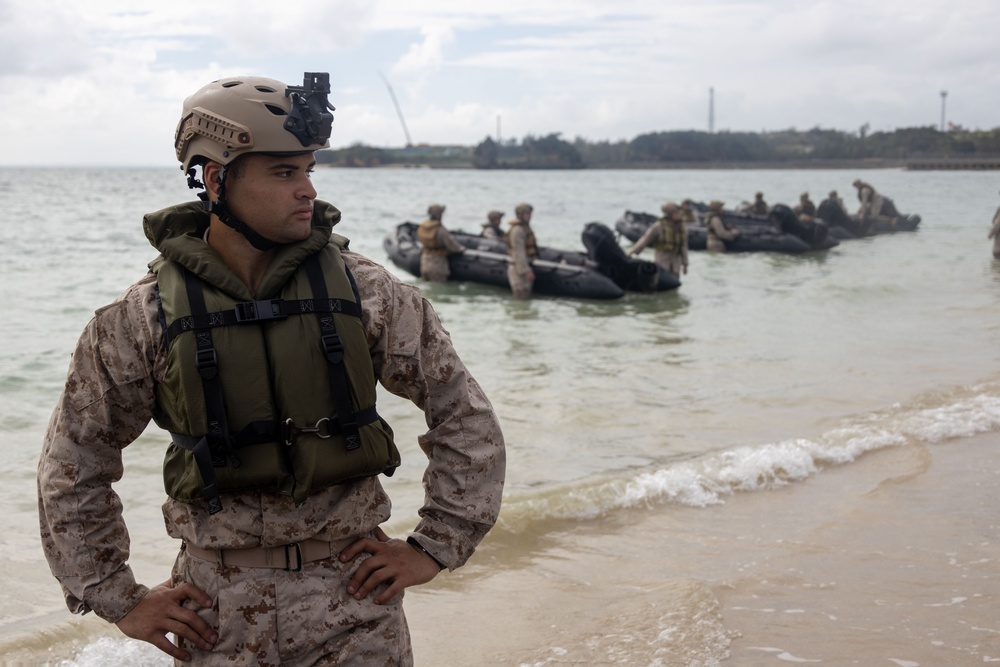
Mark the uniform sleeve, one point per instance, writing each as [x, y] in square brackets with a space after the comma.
[684, 244]
[449, 242]
[720, 229]
[651, 234]
[106, 403]
[415, 359]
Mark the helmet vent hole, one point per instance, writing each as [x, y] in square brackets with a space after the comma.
[276, 110]
[265, 89]
[230, 84]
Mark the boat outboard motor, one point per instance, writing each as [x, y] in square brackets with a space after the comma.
[628, 273]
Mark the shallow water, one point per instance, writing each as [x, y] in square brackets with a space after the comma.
[760, 372]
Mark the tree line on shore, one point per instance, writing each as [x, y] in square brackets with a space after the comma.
[687, 149]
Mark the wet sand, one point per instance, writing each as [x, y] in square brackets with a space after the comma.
[891, 560]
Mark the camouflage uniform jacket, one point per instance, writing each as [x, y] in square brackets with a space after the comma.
[109, 400]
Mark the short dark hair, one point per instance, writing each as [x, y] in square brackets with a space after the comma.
[238, 166]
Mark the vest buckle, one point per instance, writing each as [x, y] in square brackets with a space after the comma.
[256, 311]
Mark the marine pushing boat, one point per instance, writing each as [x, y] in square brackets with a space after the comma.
[778, 231]
[604, 272]
[847, 226]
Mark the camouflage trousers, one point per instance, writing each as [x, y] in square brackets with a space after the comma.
[669, 261]
[434, 267]
[519, 285]
[276, 617]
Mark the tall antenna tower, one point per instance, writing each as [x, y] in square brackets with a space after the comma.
[711, 110]
[399, 112]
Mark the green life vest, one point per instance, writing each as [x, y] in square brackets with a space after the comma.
[671, 237]
[274, 391]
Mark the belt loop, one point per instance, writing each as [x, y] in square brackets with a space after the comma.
[289, 548]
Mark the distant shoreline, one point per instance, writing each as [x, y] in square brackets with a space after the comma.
[922, 164]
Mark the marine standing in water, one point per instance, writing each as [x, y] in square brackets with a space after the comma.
[436, 244]
[492, 228]
[995, 234]
[522, 248]
[668, 235]
[688, 213]
[256, 340]
[719, 231]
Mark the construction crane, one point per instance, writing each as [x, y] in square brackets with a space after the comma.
[399, 112]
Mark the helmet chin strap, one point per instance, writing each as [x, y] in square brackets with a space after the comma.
[221, 209]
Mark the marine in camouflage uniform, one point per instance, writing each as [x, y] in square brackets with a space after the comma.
[668, 235]
[492, 228]
[718, 231]
[436, 244]
[759, 206]
[870, 201]
[263, 579]
[833, 196]
[688, 213]
[805, 209]
[522, 249]
[995, 234]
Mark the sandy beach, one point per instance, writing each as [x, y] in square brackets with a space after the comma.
[860, 565]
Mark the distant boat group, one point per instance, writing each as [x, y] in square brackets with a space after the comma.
[602, 270]
[782, 229]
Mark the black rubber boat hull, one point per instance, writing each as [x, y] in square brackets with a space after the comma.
[490, 268]
[603, 255]
[853, 227]
[757, 233]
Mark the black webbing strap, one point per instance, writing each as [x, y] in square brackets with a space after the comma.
[207, 363]
[260, 311]
[333, 350]
[203, 458]
[286, 431]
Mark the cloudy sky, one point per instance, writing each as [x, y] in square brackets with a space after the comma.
[101, 82]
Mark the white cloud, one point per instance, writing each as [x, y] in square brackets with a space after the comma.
[102, 82]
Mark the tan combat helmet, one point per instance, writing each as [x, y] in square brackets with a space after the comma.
[253, 114]
[521, 209]
[435, 211]
[250, 114]
[670, 207]
[716, 205]
[494, 215]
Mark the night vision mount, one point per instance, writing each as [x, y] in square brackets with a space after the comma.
[310, 119]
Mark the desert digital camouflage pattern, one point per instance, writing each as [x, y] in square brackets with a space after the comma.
[109, 400]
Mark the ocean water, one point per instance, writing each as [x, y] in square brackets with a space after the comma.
[762, 373]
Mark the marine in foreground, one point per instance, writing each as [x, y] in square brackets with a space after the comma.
[256, 340]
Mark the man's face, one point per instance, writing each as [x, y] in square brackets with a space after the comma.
[274, 195]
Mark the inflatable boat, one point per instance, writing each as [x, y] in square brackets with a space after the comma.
[779, 231]
[604, 272]
[481, 263]
[848, 226]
